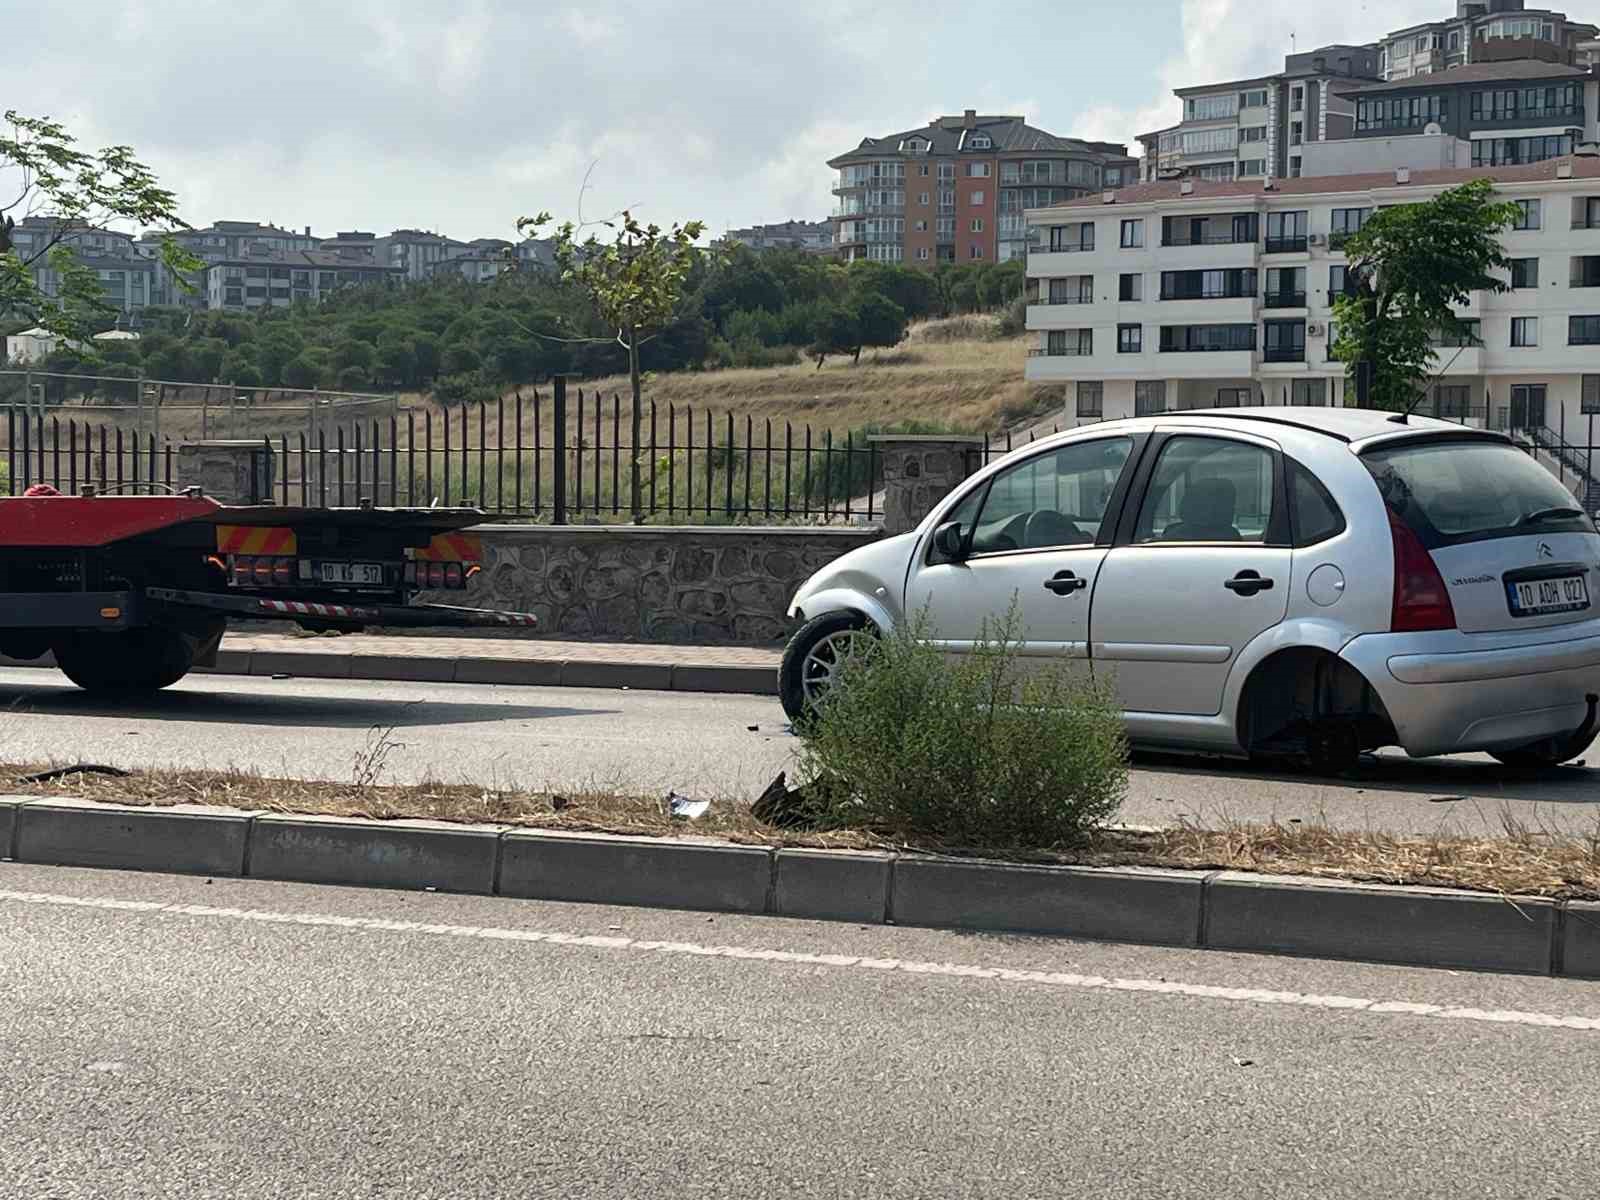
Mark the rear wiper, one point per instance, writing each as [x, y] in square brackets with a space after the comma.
[1550, 514]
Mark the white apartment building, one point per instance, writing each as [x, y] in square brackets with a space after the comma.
[1186, 294]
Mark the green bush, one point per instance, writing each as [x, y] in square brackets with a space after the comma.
[995, 751]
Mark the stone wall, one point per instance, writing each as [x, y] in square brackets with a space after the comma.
[674, 584]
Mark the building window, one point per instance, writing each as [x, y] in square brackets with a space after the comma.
[1286, 232]
[1130, 339]
[922, 170]
[1233, 397]
[1252, 167]
[1528, 214]
[255, 293]
[1206, 339]
[1528, 104]
[977, 198]
[1308, 393]
[977, 225]
[947, 200]
[1091, 398]
[1285, 342]
[1524, 272]
[1524, 331]
[1149, 397]
[1072, 237]
[1254, 98]
[1412, 112]
[1219, 230]
[981, 141]
[1294, 166]
[975, 251]
[1069, 343]
[1074, 289]
[977, 170]
[1211, 141]
[1583, 331]
[1297, 99]
[1215, 172]
[1296, 133]
[1590, 400]
[1253, 133]
[1210, 108]
[233, 296]
[1130, 288]
[1346, 221]
[922, 254]
[1225, 284]
[922, 199]
[1133, 234]
[1497, 152]
[1286, 287]
[1455, 40]
[1338, 279]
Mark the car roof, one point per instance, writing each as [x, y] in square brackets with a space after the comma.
[1343, 424]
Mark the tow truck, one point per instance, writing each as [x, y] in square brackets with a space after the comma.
[131, 592]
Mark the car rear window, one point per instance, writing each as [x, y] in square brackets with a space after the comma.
[1462, 491]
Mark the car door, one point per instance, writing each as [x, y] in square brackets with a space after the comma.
[1199, 568]
[1035, 534]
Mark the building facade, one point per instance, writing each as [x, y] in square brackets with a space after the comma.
[1507, 113]
[262, 277]
[956, 189]
[130, 277]
[813, 236]
[1483, 31]
[1255, 128]
[1186, 294]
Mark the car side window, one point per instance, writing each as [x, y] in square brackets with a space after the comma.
[1054, 499]
[1315, 514]
[1207, 489]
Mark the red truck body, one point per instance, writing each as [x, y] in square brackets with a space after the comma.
[129, 592]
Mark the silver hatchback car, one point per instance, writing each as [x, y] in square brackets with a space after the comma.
[1267, 581]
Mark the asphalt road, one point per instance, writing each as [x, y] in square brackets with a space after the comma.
[176, 1037]
[695, 744]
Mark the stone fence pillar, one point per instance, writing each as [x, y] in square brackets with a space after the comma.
[231, 472]
[919, 470]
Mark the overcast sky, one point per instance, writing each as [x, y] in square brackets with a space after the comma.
[463, 115]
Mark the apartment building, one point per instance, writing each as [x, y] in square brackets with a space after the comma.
[1187, 293]
[1522, 111]
[416, 252]
[129, 276]
[1256, 128]
[813, 236]
[956, 189]
[1483, 31]
[263, 277]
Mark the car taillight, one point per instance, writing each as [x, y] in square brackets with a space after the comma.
[436, 575]
[1421, 601]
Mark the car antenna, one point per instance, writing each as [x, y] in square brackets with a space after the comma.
[1399, 418]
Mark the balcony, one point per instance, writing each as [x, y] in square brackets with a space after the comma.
[1207, 239]
[1286, 245]
[1284, 300]
[1284, 354]
[1337, 241]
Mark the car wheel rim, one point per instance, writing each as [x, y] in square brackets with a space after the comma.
[820, 671]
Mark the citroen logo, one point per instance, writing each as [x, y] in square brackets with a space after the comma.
[1545, 551]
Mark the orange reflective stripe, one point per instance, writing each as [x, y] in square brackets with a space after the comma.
[253, 539]
[451, 547]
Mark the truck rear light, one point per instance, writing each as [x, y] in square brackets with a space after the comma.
[241, 574]
[452, 576]
[1421, 601]
[261, 568]
[435, 575]
[283, 571]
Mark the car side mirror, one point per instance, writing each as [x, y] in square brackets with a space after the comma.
[950, 541]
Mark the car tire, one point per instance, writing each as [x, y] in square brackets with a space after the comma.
[129, 661]
[1549, 753]
[810, 656]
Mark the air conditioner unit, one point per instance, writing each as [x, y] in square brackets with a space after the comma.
[1316, 239]
[1314, 329]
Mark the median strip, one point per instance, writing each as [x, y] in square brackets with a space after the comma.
[1265, 889]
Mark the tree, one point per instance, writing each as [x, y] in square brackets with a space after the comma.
[1410, 268]
[76, 189]
[879, 322]
[636, 284]
[837, 331]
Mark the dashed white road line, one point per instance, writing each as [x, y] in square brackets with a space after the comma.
[1057, 979]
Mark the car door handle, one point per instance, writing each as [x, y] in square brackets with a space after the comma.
[1064, 583]
[1248, 583]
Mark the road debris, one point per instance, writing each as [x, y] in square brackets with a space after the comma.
[784, 807]
[686, 809]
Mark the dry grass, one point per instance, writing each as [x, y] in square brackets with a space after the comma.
[1523, 861]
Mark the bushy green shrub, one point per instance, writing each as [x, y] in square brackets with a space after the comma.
[995, 751]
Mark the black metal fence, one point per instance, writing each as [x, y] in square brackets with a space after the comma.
[555, 454]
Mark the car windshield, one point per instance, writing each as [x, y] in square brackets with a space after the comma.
[1452, 491]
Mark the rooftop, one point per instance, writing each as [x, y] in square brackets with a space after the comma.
[1487, 72]
[1584, 167]
[947, 135]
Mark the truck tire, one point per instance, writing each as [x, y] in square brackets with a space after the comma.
[132, 660]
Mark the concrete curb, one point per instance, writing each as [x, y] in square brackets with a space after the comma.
[548, 672]
[1262, 914]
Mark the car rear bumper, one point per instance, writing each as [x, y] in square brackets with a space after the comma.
[1448, 693]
